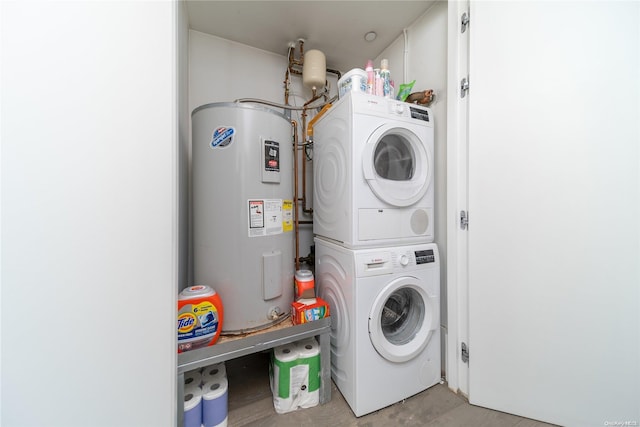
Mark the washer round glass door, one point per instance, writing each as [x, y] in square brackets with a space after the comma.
[402, 320]
[397, 165]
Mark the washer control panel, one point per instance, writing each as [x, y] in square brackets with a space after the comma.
[413, 257]
[419, 113]
[425, 256]
[396, 259]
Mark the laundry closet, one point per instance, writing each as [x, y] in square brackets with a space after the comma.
[536, 198]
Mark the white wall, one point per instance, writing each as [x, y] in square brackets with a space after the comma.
[223, 71]
[89, 217]
[184, 132]
[427, 65]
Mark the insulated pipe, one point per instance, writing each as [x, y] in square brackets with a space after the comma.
[304, 186]
[304, 167]
[304, 163]
[294, 124]
[336, 72]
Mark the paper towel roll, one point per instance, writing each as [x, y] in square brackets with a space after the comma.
[214, 372]
[193, 377]
[285, 358]
[192, 406]
[286, 352]
[288, 378]
[215, 398]
[309, 355]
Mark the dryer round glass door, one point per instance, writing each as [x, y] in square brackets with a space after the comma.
[397, 165]
[402, 320]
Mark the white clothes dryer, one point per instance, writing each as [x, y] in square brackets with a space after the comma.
[373, 172]
[385, 327]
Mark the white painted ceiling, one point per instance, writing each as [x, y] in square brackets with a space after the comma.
[337, 28]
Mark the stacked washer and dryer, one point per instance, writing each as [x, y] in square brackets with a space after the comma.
[376, 263]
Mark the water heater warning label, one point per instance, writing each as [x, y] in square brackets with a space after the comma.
[287, 215]
[265, 217]
[272, 156]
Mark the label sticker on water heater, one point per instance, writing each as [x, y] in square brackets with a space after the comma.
[272, 156]
[222, 137]
[265, 217]
[270, 160]
[287, 215]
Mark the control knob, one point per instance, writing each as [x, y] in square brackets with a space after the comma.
[404, 260]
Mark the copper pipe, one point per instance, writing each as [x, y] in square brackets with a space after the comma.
[301, 60]
[294, 124]
[293, 61]
[313, 98]
[286, 87]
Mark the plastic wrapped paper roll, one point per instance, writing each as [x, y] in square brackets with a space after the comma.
[193, 378]
[214, 372]
[192, 406]
[295, 376]
[309, 355]
[285, 379]
[215, 398]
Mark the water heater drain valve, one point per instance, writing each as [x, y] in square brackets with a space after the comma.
[275, 313]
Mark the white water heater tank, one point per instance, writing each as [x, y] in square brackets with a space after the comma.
[243, 237]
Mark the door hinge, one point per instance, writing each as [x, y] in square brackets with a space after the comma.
[464, 22]
[464, 354]
[464, 220]
[464, 87]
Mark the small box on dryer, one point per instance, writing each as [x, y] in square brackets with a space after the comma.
[308, 310]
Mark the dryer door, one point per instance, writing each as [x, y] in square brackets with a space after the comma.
[402, 320]
[397, 165]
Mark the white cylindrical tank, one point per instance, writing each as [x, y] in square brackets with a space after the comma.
[243, 237]
[314, 69]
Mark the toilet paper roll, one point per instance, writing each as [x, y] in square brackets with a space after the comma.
[215, 398]
[193, 377]
[309, 355]
[192, 406]
[214, 372]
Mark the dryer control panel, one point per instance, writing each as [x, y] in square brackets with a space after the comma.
[390, 109]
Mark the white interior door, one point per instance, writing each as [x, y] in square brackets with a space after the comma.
[554, 208]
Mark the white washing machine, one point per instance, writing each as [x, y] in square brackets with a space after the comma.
[373, 172]
[385, 326]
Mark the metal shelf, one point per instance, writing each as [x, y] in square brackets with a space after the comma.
[228, 348]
